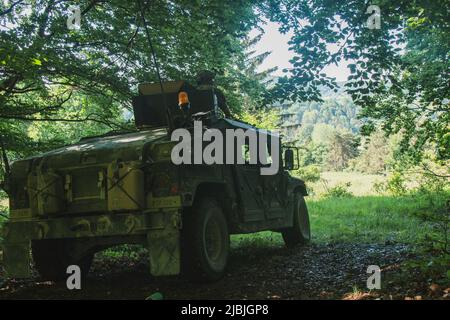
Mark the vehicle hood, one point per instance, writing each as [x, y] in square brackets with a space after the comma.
[90, 151]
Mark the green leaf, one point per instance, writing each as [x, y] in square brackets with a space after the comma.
[36, 62]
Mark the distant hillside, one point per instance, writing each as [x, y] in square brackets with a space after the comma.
[337, 110]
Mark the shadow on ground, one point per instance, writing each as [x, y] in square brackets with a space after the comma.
[318, 271]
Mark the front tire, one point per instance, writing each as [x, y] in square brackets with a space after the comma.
[52, 257]
[300, 232]
[205, 242]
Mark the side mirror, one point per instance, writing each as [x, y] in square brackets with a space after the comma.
[289, 159]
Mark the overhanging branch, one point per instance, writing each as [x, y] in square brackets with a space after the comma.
[10, 9]
[88, 118]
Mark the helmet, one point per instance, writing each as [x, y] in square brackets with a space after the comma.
[205, 77]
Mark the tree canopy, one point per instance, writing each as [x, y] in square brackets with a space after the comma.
[399, 72]
[51, 73]
[57, 84]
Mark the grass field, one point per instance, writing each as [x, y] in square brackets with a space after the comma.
[360, 184]
[367, 219]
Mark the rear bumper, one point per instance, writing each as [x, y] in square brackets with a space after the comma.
[161, 229]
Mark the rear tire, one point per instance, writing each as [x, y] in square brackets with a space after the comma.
[52, 257]
[205, 242]
[299, 233]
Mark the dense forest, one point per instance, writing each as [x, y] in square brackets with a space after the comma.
[336, 110]
[61, 81]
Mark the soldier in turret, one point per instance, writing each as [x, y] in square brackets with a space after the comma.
[205, 81]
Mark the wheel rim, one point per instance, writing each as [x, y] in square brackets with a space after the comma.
[213, 240]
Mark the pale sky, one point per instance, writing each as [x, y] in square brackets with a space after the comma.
[277, 43]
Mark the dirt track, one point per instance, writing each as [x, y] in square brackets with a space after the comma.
[315, 272]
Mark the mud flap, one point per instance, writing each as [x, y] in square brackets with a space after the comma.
[164, 251]
[16, 260]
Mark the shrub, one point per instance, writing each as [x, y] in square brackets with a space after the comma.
[435, 193]
[339, 191]
[309, 173]
[396, 184]
[379, 187]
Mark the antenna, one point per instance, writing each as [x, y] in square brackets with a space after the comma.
[168, 113]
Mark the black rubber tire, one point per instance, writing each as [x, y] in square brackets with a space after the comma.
[300, 232]
[51, 259]
[204, 234]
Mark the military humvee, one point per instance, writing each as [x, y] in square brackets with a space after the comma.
[114, 189]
